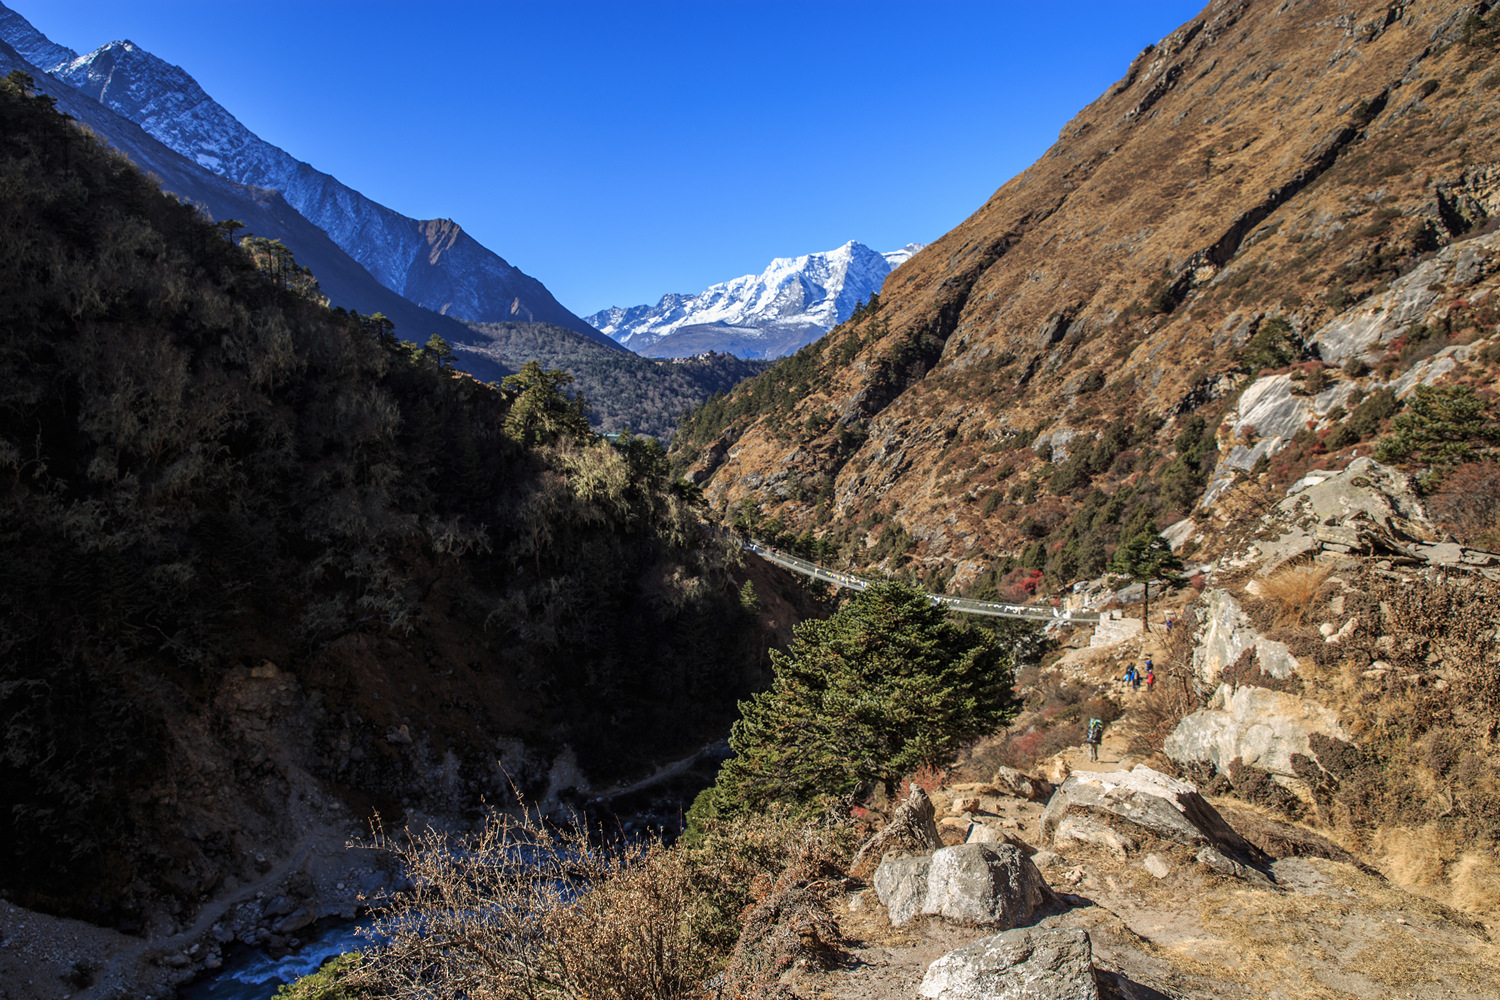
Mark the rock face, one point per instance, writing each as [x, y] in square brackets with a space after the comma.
[1227, 635]
[1141, 801]
[1413, 298]
[979, 884]
[1263, 728]
[1366, 506]
[1029, 963]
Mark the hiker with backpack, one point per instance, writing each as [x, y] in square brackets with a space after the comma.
[1093, 737]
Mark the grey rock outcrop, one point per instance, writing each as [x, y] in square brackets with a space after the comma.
[1413, 298]
[979, 884]
[1142, 801]
[1227, 634]
[1029, 963]
[1365, 505]
[1263, 728]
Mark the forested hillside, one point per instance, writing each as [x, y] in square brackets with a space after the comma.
[258, 553]
[625, 392]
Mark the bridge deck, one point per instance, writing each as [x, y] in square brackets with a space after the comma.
[964, 605]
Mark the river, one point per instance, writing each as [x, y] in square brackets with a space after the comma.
[254, 975]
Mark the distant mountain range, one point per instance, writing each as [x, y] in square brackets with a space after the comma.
[793, 302]
[430, 263]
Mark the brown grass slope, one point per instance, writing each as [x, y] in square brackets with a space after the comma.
[1265, 159]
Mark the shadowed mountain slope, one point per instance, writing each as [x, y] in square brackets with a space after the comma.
[265, 213]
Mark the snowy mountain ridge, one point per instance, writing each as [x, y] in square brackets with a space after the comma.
[432, 263]
[792, 302]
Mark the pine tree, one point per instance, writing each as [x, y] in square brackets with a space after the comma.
[1443, 425]
[1143, 557]
[541, 411]
[885, 686]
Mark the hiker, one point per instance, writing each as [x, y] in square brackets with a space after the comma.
[1094, 737]
[1150, 676]
[1169, 624]
[1130, 674]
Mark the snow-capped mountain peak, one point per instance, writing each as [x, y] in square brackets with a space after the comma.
[33, 46]
[432, 263]
[792, 302]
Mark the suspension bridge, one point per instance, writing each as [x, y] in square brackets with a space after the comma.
[963, 605]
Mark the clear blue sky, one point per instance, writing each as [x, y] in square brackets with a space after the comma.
[617, 151]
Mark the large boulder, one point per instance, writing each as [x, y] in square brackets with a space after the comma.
[902, 887]
[1142, 801]
[1264, 729]
[981, 884]
[1029, 963]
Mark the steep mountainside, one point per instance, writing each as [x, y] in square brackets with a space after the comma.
[1060, 363]
[262, 558]
[265, 213]
[625, 391]
[792, 302]
[433, 263]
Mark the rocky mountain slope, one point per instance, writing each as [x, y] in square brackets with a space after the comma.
[432, 262]
[792, 302]
[1068, 357]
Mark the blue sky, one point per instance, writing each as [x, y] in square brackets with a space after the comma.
[618, 151]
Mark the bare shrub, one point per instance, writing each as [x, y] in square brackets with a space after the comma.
[521, 910]
[792, 925]
[1467, 503]
[1449, 622]
[1292, 589]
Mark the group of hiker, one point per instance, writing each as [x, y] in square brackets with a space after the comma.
[1094, 734]
[1133, 676]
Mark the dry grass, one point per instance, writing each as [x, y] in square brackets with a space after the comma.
[521, 910]
[1432, 861]
[1346, 940]
[1293, 590]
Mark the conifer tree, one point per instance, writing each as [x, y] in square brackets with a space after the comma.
[541, 411]
[885, 686]
[1143, 557]
[1443, 425]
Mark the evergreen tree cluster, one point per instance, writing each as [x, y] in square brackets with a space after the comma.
[885, 686]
